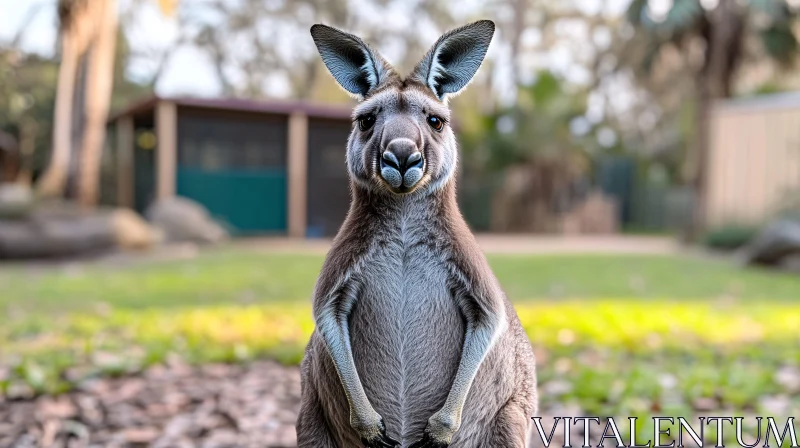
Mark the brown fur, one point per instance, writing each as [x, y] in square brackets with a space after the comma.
[407, 307]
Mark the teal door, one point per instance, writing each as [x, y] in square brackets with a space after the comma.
[247, 201]
[235, 165]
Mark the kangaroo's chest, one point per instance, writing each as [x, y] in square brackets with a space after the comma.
[406, 327]
[407, 278]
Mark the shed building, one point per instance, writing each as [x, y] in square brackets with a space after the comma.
[754, 159]
[259, 167]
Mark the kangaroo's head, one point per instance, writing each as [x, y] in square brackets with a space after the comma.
[401, 139]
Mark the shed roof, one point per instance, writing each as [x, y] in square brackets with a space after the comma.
[786, 100]
[312, 109]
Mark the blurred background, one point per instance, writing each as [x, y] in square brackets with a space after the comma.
[172, 172]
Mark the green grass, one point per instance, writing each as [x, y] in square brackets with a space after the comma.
[239, 277]
[614, 335]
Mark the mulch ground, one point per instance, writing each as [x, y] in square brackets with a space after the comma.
[178, 406]
[175, 406]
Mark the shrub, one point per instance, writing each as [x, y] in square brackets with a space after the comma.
[729, 237]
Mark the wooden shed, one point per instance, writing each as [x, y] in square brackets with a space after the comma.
[258, 166]
[754, 162]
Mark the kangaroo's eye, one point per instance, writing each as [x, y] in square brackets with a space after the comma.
[435, 122]
[366, 122]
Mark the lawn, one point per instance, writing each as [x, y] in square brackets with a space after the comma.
[614, 335]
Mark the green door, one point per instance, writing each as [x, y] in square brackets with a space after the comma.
[235, 165]
[247, 201]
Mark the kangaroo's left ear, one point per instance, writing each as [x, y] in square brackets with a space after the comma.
[455, 58]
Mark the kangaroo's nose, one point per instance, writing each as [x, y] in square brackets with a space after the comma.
[401, 163]
[402, 154]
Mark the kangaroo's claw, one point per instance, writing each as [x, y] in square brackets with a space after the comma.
[381, 440]
[428, 442]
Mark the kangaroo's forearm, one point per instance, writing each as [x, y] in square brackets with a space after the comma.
[332, 323]
[335, 332]
[479, 338]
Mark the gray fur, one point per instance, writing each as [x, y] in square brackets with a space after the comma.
[356, 67]
[416, 344]
[455, 58]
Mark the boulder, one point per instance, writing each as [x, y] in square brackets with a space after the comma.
[57, 229]
[16, 201]
[773, 245]
[184, 220]
[132, 232]
[52, 238]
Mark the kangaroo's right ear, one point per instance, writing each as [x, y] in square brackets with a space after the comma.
[354, 65]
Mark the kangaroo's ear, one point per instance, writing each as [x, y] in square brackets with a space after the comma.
[455, 58]
[354, 65]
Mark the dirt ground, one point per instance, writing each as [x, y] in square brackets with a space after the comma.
[505, 244]
[174, 406]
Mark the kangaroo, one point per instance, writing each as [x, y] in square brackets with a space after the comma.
[415, 343]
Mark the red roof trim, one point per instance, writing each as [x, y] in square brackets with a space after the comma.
[315, 110]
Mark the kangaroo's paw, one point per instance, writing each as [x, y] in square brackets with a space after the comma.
[439, 432]
[376, 437]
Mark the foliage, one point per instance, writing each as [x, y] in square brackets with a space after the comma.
[28, 89]
[27, 95]
[705, 43]
[729, 237]
[270, 29]
[689, 18]
[536, 127]
[606, 357]
[532, 146]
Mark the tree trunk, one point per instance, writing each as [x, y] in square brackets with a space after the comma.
[99, 83]
[54, 179]
[702, 141]
[724, 46]
[520, 12]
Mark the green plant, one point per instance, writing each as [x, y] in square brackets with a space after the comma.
[729, 237]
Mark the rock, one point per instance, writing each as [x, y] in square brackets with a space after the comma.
[789, 378]
[166, 406]
[778, 241]
[62, 229]
[141, 435]
[792, 263]
[60, 408]
[132, 232]
[56, 230]
[184, 220]
[705, 404]
[16, 201]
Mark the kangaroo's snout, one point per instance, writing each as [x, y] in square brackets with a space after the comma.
[401, 163]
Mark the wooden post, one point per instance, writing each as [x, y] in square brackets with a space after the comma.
[125, 168]
[298, 173]
[166, 148]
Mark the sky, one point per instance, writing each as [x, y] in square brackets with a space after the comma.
[189, 70]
